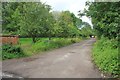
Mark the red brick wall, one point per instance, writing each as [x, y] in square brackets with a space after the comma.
[10, 39]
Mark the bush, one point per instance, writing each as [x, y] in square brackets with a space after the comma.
[11, 51]
[105, 55]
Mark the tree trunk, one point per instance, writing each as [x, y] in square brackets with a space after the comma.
[49, 38]
[34, 40]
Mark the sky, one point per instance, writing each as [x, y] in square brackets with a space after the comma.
[72, 5]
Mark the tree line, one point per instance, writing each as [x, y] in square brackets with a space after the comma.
[36, 19]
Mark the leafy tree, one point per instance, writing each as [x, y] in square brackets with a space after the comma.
[35, 20]
[66, 24]
[10, 16]
[49, 26]
[105, 18]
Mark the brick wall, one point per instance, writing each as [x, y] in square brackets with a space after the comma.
[9, 39]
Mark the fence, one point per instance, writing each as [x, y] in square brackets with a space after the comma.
[9, 39]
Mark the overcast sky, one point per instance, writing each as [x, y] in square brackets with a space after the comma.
[71, 5]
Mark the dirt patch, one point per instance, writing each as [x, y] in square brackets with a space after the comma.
[72, 52]
[29, 59]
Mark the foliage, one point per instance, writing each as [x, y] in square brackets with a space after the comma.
[105, 55]
[105, 18]
[10, 16]
[35, 19]
[86, 30]
[11, 51]
[66, 24]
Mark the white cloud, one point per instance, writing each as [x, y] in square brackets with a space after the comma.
[71, 5]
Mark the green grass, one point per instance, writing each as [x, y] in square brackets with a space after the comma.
[105, 55]
[28, 48]
[25, 40]
[44, 44]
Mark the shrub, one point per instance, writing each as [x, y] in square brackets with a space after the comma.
[11, 51]
[105, 55]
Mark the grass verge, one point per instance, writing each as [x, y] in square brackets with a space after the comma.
[105, 56]
[27, 48]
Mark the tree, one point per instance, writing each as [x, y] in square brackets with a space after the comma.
[105, 18]
[35, 20]
[10, 16]
[66, 24]
[49, 26]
